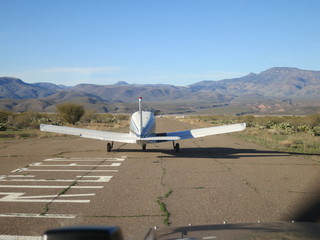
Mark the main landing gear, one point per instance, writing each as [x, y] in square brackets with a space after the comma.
[176, 146]
[144, 147]
[109, 146]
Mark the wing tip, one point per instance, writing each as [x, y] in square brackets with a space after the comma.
[42, 126]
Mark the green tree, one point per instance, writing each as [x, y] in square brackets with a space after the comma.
[70, 112]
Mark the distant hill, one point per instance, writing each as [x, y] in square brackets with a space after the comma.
[274, 82]
[50, 86]
[17, 89]
[121, 83]
[281, 83]
[150, 92]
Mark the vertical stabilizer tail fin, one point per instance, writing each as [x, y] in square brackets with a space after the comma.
[140, 118]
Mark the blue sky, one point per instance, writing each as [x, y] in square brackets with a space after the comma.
[177, 42]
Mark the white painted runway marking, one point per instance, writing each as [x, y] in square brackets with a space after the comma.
[209, 237]
[84, 159]
[31, 215]
[17, 197]
[67, 165]
[46, 186]
[16, 237]
[60, 170]
[18, 170]
[35, 164]
[17, 176]
[99, 179]
[73, 165]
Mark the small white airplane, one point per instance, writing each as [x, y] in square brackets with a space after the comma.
[142, 131]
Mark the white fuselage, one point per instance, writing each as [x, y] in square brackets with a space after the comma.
[142, 124]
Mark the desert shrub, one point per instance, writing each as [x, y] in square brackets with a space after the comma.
[5, 116]
[70, 112]
[106, 118]
[28, 120]
[313, 120]
[315, 131]
[90, 116]
[291, 143]
[284, 126]
[122, 117]
[304, 128]
[248, 119]
[22, 120]
[267, 121]
[109, 118]
[3, 127]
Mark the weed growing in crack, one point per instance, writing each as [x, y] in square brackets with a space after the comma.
[163, 207]
[168, 193]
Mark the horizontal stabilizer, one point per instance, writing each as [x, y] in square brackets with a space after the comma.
[203, 132]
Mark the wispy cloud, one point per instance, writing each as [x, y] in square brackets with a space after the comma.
[79, 70]
[66, 75]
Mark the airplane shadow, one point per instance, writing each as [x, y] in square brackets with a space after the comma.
[219, 152]
[212, 152]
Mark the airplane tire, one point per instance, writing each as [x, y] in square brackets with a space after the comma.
[109, 147]
[177, 147]
[144, 147]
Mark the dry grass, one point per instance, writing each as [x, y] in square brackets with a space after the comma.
[279, 133]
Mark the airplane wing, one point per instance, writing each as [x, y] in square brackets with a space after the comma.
[202, 132]
[88, 133]
[129, 138]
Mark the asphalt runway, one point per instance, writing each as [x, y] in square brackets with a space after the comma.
[66, 181]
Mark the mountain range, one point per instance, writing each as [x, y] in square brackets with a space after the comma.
[275, 83]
